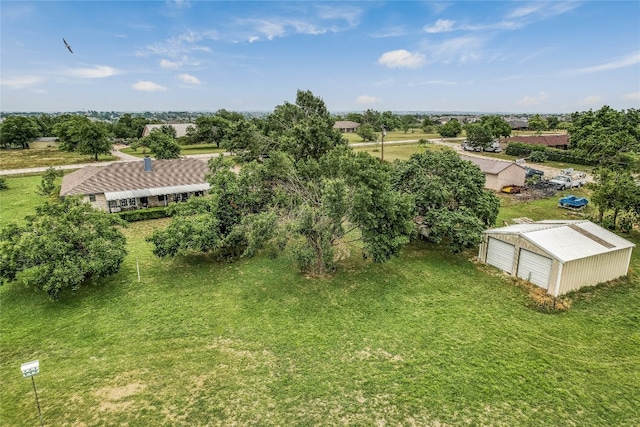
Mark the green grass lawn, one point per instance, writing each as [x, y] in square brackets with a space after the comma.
[397, 151]
[411, 135]
[19, 199]
[430, 338]
[42, 157]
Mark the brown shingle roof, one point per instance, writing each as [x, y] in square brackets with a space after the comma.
[123, 176]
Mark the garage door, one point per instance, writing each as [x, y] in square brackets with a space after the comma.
[500, 254]
[534, 268]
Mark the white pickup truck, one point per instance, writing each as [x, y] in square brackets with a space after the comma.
[566, 181]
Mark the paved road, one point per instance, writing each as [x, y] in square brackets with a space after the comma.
[549, 172]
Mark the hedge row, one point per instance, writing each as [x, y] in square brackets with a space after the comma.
[519, 149]
[144, 214]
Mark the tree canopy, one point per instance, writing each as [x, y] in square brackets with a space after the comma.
[479, 135]
[451, 204]
[310, 193]
[451, 129]
[62, 247]
[161, 143]
[18, 131]
[608, 136]
[498, 126]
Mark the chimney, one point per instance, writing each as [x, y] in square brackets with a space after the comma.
[147, 164]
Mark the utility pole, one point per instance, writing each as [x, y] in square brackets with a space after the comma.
[384, 133]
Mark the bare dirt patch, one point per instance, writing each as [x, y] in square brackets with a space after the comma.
[113, 398]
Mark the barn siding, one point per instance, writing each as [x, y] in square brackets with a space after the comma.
[571, 275]
[594, 270]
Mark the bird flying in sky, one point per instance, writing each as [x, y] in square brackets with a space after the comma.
[67, 45]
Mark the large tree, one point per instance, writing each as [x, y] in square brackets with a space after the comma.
[18, 131]
[617, 192]
[161, 144]
[451, 129]
[62, 247]
[451, 204]
[478, 135]
[537, 123]
[81, 135]
[312, 206]
[497, 125]
[607, 136]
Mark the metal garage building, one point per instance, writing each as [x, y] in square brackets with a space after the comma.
[559, 256]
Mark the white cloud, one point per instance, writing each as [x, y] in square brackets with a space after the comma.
[441, 26]
[367, 100]
[188, 78]
[165, 63]
[635, 96]
[526, 10]
[627, 61]
[97, 72]
[21, 82]
[180, 3]
[462, 49]
[146, 86]
[401, 58]
[528, 101]
[591, 100]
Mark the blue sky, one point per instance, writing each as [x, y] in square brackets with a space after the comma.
[516, 56]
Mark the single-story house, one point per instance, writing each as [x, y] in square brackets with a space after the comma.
[518, 124]
[554, 141]
[346, 126]
[139, 184]
[181, 128]
[559, 256]
[498, 173]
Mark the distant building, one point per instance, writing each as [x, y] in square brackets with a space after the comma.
[346, 126]
[554, 141]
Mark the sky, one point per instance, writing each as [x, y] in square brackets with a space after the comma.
[469, 56]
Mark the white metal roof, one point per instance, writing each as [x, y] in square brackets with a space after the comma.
[145, 192]
[567, 240]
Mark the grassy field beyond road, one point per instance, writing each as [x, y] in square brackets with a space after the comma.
[429, 338]
[44, 157]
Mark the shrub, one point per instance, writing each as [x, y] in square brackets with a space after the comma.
[3, 183]
[538, 156]
[144, 214]
[519, 149]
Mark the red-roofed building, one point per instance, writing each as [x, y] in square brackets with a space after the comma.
[553, 141]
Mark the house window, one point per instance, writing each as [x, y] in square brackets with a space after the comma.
[92, 197]
[132, 202]
[198, 193]
[124, 203]
[113, 204]
[184, 197]
[144, 201]
[162, 197]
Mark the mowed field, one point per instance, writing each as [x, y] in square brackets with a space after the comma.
[428, 339]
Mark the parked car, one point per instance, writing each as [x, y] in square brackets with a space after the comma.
[531, 172]
[466, 146]
[564, 182]
[494, 147]
[573, 202]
